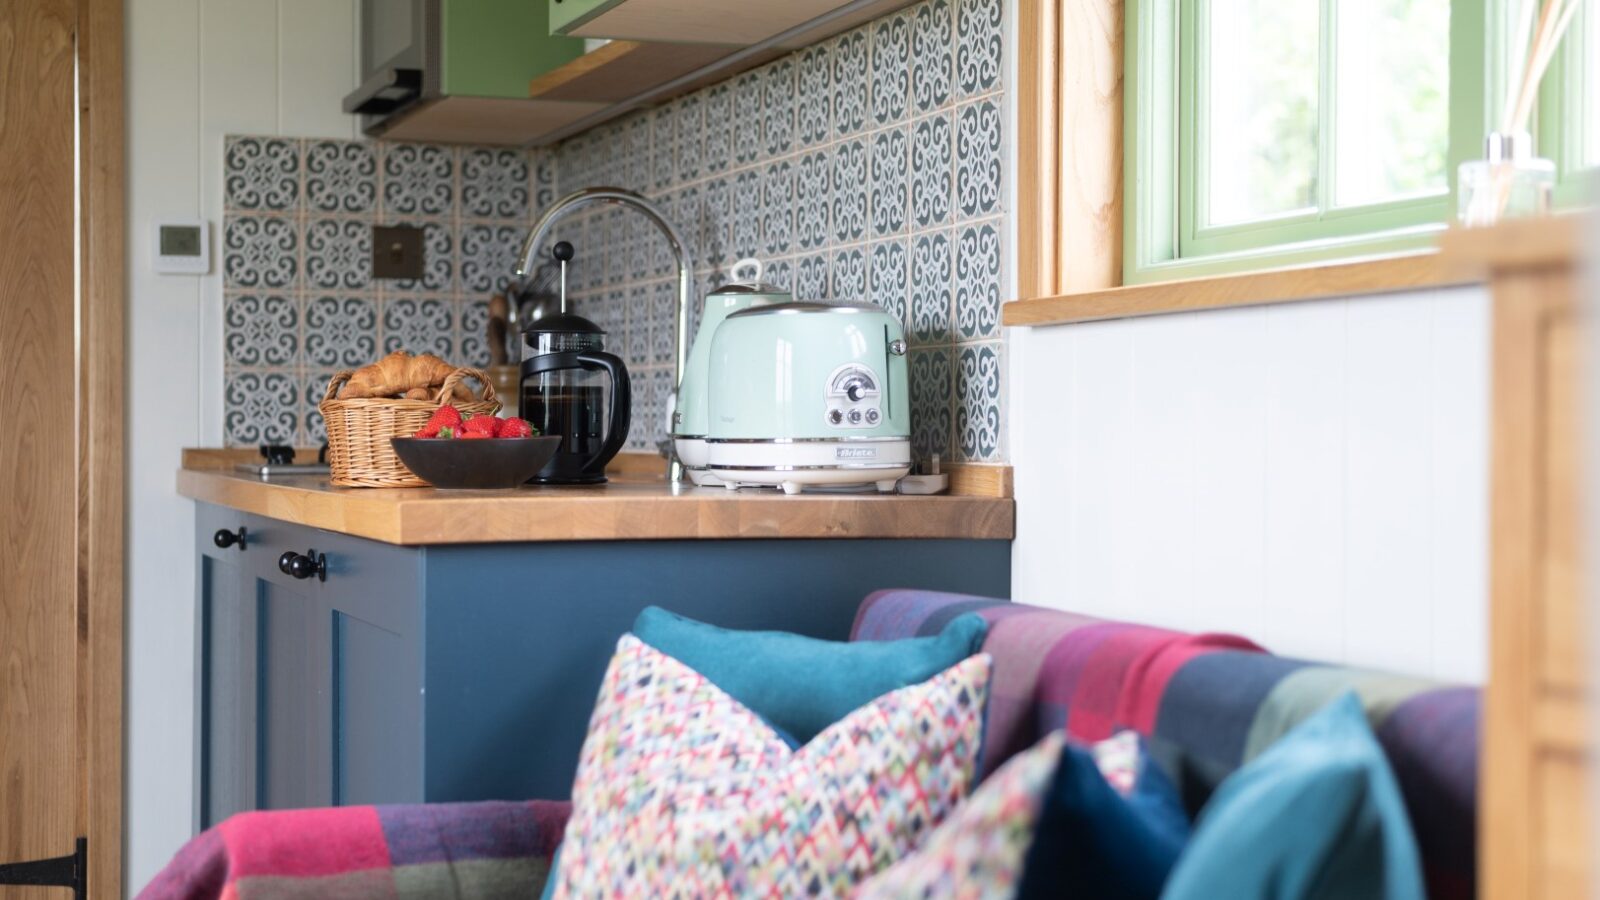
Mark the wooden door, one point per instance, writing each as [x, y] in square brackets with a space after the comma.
[61, 320]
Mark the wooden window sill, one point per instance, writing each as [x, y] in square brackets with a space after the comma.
[1311, 282]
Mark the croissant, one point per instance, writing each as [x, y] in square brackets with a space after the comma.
[402, 375]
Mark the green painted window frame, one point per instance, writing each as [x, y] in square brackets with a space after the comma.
[1161, 241]
[1558, 133]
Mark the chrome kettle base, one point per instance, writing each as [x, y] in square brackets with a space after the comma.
[796, 464]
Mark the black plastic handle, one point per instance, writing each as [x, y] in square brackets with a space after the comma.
[621, 395]
[225, 538]
[303, 566]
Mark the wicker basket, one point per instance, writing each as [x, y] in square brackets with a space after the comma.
[359, 452]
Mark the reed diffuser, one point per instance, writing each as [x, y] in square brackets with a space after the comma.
[1510, 181]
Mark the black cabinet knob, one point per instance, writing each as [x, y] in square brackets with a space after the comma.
[225, 538]
[304, 565]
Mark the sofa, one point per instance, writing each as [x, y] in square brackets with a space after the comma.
[1206, 703]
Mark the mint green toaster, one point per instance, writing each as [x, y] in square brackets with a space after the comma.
[809, 394]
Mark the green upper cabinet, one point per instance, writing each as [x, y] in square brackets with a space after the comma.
[727, 22]
[493, 48]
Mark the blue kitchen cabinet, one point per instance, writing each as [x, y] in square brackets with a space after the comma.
[468, 671]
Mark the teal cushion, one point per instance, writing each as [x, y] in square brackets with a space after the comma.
[802, 685]
[1318, 815]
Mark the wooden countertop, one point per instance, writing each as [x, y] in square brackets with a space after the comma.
[630, 507]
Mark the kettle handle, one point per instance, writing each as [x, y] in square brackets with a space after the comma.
[621, 407]
[749, 262]
[621, 392]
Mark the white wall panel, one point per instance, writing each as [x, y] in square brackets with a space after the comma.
[197, 70]
[1311, 475]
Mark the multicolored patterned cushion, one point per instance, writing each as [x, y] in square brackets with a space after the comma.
[1054, 820]
[683, 792]
[979, 851]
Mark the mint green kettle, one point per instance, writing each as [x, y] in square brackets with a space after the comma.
[691, 417]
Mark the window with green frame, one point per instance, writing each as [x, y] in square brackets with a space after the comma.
[1270, 132]
[1568, 129]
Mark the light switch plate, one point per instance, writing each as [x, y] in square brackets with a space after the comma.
[181, 247]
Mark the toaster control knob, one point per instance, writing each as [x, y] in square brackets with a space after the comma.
[855, 390]
[835, 417]
[872, 417]
[897, 347]
[855, 417]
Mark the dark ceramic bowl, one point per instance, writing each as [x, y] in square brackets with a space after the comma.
[484, 463]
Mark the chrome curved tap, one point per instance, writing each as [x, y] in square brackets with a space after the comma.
[685, 273]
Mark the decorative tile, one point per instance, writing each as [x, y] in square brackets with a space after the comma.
[849, 190]
[777, 209]
[746, 214]
[812, 96]
[262, 174]
[494, 184]
[977, 282]
[641, 234]
[978, 46]
[978, 159]
[690, 137]
[891, 67]
[488, 257]
[978, 398]
[930, 373]
[261, 407]
[637, 350]
[338, 254]
[313, 430]
[811, 200]
[418, 325]
[613, 242]
[663, 149]
[261, 329]
[890, 285]
[747, 118]
[260, 252]
[719, 125]
[850, 82]
[779, 273]
[544, 181]
[930, 289]
[777, 107]
[931, 36]
[341, 332]
[438, 260]
[472, 334]
[663, 314]
[811, 277]
[848, 276]
[686, 209]
[716, 224]
[417, 179]
[931, 171]
[636, 152]
[341, 177]
[887, 204]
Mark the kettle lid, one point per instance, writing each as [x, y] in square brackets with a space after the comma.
[805, 306]
[562, 323]
[753, 286]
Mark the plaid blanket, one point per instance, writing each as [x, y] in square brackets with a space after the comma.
[450, 850]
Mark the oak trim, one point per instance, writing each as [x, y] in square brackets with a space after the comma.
[979, 480]
[624, 509]
[1038, 161]
[1517, 244]
[1313, 282]
[1090, 108]
[101, 457]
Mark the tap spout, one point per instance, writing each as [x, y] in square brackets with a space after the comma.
[680, 251]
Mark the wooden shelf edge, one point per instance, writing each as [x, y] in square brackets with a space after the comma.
[1298, 283]
[980, 480]
[1559, 240]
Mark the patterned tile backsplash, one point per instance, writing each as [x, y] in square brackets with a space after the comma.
[866, 167]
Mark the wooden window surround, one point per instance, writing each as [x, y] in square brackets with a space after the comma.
[1069, 201]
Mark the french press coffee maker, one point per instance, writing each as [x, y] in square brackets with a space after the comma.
[571, 388]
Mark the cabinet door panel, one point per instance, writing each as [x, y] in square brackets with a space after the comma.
[227, 677]
[293, 761]
[376, 712]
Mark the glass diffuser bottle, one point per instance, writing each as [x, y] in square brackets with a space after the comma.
[1509, 182]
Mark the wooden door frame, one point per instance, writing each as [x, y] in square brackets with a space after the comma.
[101, 460]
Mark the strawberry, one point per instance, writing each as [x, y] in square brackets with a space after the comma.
[446, 433]
[479, 427]
[514, 428]
[445, 417]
